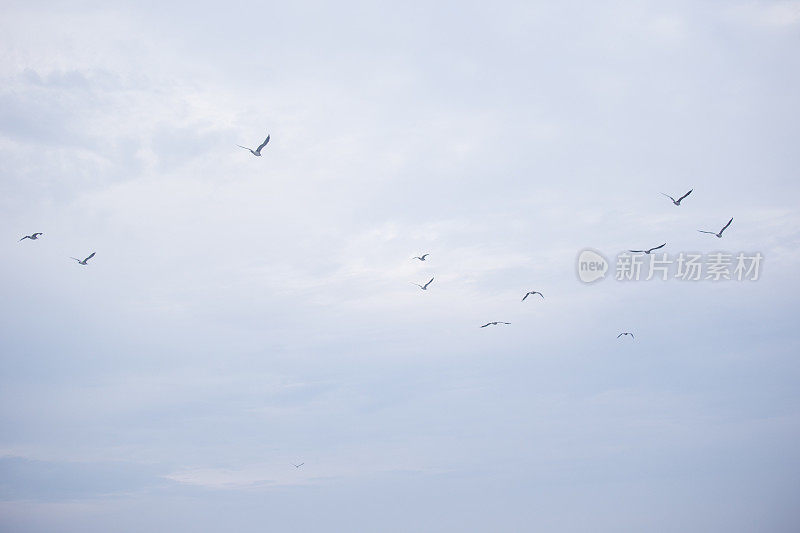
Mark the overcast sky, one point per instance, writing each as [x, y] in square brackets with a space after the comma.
[243, 314]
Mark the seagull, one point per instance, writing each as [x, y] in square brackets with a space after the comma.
[494, 324]
[719, 235]
[297, 466]
[626, 333]
[678, 201]
[257, 151]
[84, 261]
[32, 237]
[648, 251]
[421, 258]
[532, 292]
[423, 287]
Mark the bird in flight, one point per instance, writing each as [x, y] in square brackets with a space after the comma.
[83, 262]
[32, 237]
[678, 201]
[626, 333]
[257, 151]
[423, 287]
[719, 235]
[297, 466]
[494, 324]
[649, 250]
[529, 293]
[422, 258]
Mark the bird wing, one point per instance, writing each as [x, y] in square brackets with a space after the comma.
[539, 293]
[424, 256]
[657, 247]
[76, 259]
[245, 147]
[509, 323]
[301, 464]
[262, 145]
[704, 231]
[25, 237]
[431, 281]
[636, 251]
[487, 324]
[620, 335]
[668, 196]
[685, 195]
[632, 335]
[89, 257]
[726, 225]
[523, 298]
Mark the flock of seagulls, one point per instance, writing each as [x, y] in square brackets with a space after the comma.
[650, 250]
[423, 257]
[495, 323]
[646, 251]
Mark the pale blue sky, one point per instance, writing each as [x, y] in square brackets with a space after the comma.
[246, 313]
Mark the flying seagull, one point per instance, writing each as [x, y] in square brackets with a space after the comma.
[530, 293]
[84, 261]
[421, 258]
[257, 151]
[494, 324]
[648, 251]
[626, 333]
[423, 287]
[32, 237]
[297, 466]
[678, 201]
[719, 235]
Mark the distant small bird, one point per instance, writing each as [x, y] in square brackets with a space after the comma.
[626, 333]
[648, 251]
[532, 292]
[84, 261]
[423, 287]
[494, 324]
[31, 237]
[421, 258]
[719, 235]
[297, 466]
[678, 201]
[257, 151]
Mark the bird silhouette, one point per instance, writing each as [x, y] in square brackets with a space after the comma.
[678, 201]
[719, 235]
[83, 262]
[529, 293]
[257, 151]
[423, 287]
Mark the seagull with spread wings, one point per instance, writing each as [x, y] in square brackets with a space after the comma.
[626, 333]
[648, 250]
[257, 151]
[423, 287]
[494, 324]
[422, 257]
[719, 235]
[31, 237]
[83, 262]
[678, 201]
[530, 293]
[297, 466]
